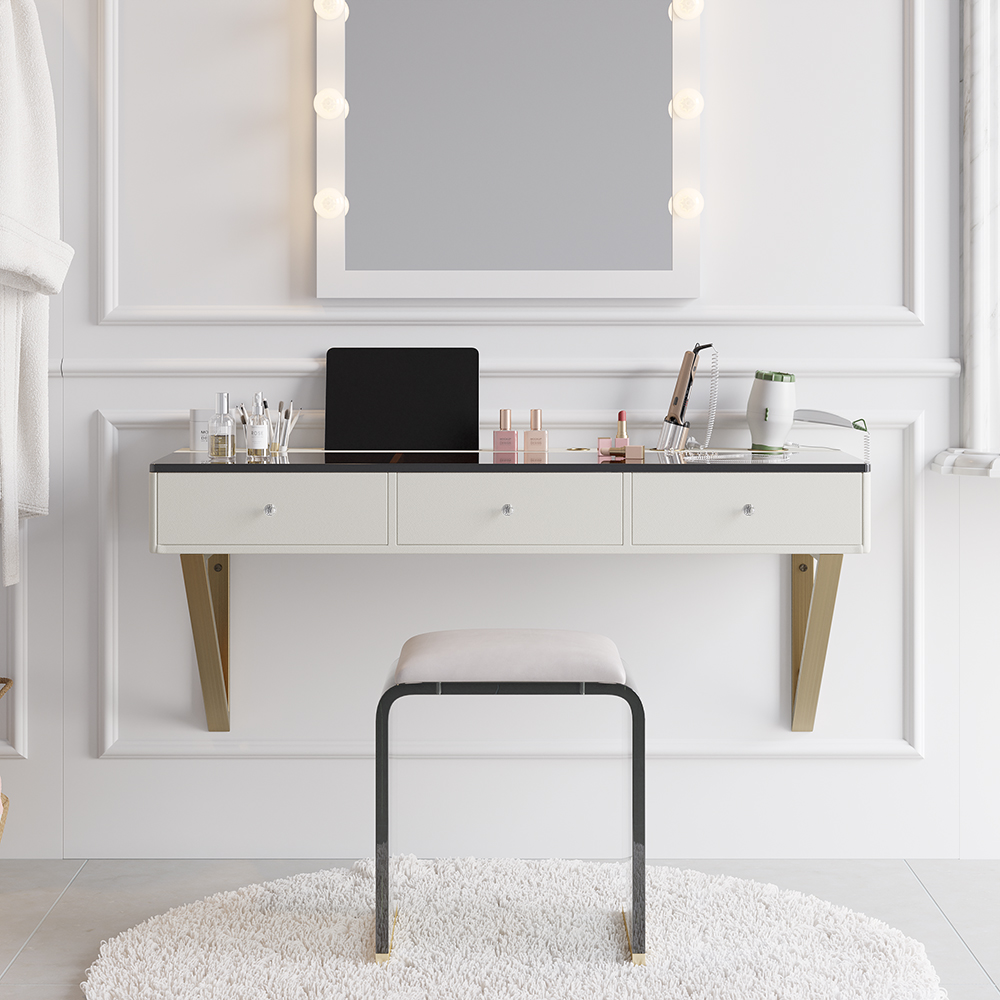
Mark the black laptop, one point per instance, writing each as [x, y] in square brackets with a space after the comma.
[402, 399]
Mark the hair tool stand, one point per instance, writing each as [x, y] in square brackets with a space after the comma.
[673, 436]
[675, 429]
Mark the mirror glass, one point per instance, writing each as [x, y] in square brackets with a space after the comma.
[528, 135]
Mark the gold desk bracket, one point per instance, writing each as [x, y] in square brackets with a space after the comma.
[814, 595]
[206, 580]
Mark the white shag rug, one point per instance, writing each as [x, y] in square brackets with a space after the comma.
[501, 928]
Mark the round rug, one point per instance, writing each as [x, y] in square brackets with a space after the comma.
[500, 928]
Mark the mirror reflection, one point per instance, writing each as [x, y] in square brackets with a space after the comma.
[530, 135]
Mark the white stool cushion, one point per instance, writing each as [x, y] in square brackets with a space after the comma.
[509, 654]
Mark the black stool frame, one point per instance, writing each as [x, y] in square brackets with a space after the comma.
[382, 926]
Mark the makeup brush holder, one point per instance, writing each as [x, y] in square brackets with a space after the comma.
[771, 410]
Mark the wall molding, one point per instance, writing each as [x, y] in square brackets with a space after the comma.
[914, 568]
[910, 313]
[108, 425]
[851, 368]
[16, 699]
[792, 745]
[802, 749]
[914, 113]
[460, 314]
[979, 222]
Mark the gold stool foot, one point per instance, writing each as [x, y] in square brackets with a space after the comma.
[380, 958]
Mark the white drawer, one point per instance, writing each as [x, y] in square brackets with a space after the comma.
[462, 508]
[796, 509]
[220, 509]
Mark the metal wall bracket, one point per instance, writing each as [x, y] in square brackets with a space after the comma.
[814, 594]
[206, 580]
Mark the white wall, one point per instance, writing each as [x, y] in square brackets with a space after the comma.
[829, 248]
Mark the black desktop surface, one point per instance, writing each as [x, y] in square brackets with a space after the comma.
[792, 461]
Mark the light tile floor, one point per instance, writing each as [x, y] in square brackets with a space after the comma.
[54, 914]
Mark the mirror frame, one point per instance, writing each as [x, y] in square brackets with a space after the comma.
[335, 281]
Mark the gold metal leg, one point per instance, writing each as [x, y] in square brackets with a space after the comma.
[218, 585]
[813, 601]
[382, 957]
[802, 590]
[207, 586]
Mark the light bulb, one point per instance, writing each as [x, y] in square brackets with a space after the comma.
[686, 204]
[330, 10]
[686, 10]
[331, 204]
[330, 103]
[687, 103]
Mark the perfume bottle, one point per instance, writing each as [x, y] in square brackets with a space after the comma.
[221, 430]
[536, 439]
[257, 430]
[505, 439]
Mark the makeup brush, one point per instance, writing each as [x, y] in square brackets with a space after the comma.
[276, 426]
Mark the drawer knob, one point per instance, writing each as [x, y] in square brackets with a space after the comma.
[270, 509]
[507, 510]
[748, 509]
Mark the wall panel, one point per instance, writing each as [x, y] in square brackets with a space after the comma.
[830, 249]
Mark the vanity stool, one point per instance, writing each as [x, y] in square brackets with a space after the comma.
[509, 661]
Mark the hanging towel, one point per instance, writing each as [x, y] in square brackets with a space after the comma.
[33, 265]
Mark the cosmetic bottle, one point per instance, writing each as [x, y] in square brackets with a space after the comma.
[505, 439]
[221, 430]
[536, 439]
[198, 430]
[257, 430]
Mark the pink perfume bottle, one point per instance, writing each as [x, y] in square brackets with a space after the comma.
[505, 439]
[536, 439]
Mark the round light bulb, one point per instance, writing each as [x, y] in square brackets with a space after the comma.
[687, 10]
[331, 204]
[687, 103]
[330, 103]
[686, 204]
[330, 10]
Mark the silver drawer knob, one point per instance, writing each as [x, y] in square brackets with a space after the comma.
[507, 510]
[270, 509]
[748, 509]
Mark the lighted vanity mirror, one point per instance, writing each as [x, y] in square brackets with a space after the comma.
[522, 149]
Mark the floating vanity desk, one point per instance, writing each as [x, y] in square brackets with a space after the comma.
[811, 504]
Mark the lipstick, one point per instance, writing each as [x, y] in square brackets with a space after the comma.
[621, 435]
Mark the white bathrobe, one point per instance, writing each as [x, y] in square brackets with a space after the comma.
[33, 264]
